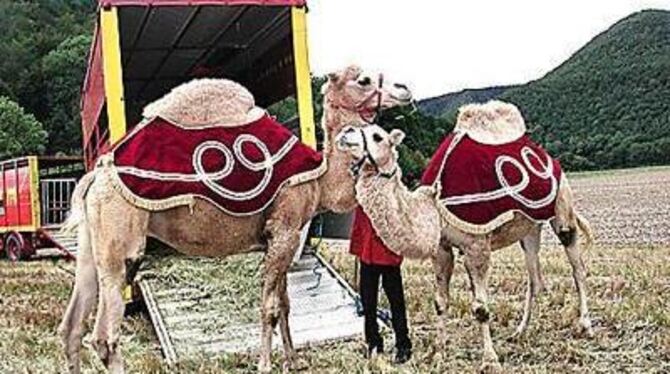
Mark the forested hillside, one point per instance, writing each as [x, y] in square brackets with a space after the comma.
[609, 104]
[43, 45]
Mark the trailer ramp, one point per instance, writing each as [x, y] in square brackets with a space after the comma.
[323, 309]
[63, 244]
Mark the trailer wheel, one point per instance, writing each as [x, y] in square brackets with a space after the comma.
[15, 247]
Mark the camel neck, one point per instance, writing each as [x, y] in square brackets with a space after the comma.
[373, 183]
[408, 222]
[337, 184]
[334, 119]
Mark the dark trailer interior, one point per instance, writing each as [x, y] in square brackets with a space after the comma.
[143, 48]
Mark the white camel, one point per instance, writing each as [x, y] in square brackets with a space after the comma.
[112, 231]
[416, 225]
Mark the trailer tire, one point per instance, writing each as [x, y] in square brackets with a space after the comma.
[15, 247]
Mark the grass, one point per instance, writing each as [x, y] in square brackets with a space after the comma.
[209, 278]
[628, 299]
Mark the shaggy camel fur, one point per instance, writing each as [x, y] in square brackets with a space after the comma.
[112, 232]
[413, 224]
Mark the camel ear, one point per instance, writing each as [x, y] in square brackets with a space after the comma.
[352, 72]
[333, 77]
[324, 88]
[397, 136]
[334, 80]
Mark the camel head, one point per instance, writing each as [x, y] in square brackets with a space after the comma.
[354, 90]
[372, 148]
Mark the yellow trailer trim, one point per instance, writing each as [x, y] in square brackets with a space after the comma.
[34, 190]
[113, 73]
[302, 76]
[23, 228]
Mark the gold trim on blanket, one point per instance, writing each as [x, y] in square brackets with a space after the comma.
[473, 228]
[106, 163]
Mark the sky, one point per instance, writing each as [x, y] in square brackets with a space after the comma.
[441, 46]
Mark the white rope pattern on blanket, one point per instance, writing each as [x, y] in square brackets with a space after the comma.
[209, 178]
[514, 191]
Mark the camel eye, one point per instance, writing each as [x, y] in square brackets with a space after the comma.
[365, 81]
[377, 138]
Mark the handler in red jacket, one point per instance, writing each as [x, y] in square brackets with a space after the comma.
[378, 261]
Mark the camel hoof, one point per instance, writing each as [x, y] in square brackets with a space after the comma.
[586, 328]
[264, 367]
[481, 313]
[443, 338]
[291, 362]
[515, 337]
[287, 366]
[102, 349]
[73, 369]
[490, 367]
[518, 333]
[117, 368]
[295, 364]
[438, 310]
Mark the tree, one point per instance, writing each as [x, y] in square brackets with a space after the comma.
[65, 66]
[20, 133]
[31, 30]
[606, 106]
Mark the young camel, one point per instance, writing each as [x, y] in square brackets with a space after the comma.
[112, 232]
[414, 225]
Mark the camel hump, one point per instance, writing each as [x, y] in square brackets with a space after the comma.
[203, 102]
[494, 122]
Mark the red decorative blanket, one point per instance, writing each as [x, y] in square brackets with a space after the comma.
[239, 169]
[482, 183]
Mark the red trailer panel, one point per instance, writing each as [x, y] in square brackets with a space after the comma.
[92, 104]
[18, 210]
[35, 197]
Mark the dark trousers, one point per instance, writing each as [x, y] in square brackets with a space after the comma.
[392, 284]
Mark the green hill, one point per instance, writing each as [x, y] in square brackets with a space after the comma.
[445, 104]
[609, 104]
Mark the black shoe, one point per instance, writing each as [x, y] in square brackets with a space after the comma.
[377, 349]
[402, 355]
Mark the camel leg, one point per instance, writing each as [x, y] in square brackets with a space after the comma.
[118, 236]
[281, 248]
[569, 240]
[531, 247]
[443, 266]
[100, 335]
[284, 310]
[107, 333]
[477, 261]
[105, 313]
[83, 296]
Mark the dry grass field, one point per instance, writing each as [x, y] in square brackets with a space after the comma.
[629, 284]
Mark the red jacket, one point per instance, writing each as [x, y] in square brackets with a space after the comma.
[367, 245]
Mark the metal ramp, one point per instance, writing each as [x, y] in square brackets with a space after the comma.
[323, 309]
[64, 244]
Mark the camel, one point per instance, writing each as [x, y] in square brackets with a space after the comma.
[112, 232]
[415, 224]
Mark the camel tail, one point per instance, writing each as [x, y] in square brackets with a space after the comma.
[585, 226]
[85, 290]
[76, 217]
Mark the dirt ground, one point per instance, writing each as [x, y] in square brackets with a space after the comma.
[629, 284]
